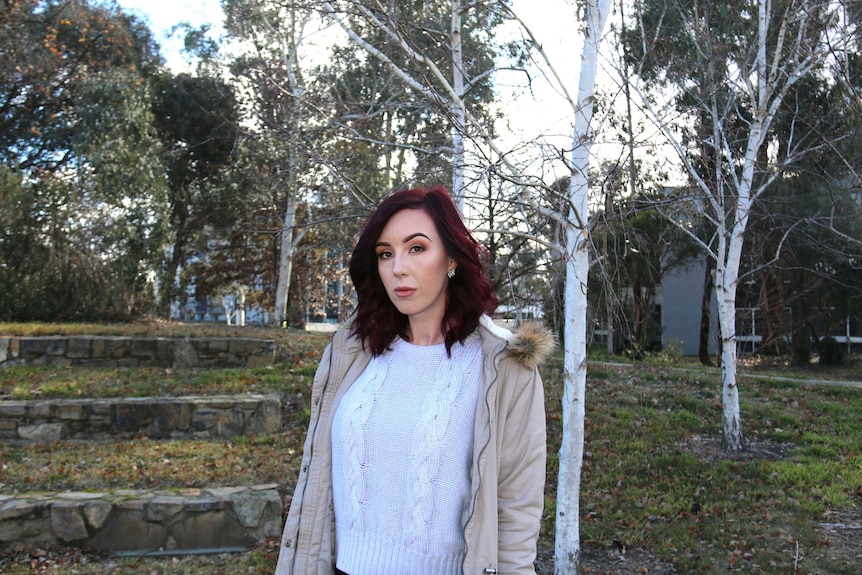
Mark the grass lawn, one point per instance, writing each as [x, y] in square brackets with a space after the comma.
[654, 476]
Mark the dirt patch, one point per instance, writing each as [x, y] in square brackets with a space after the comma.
[615, 560]
[842, 535]
[709, 449]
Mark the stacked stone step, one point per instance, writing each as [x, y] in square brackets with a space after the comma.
[111, 351]
[140, 521]
[186, 417]
[143, 521]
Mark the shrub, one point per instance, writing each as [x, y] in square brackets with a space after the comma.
[671, 355]
[802, 354]
[830, 351]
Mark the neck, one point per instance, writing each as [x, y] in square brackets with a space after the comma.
[425, 334]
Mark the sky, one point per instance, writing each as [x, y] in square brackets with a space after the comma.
[553, 23]
[538, 111]
[163, 15]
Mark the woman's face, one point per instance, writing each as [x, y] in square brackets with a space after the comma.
[412, 264]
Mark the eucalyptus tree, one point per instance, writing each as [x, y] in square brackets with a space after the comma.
[806, 259]
[733, 68]
[121, 188]
[196, 118]
[384, 136]
[83, 246]
[271, 67]
[48, 49]
[85, 228]
[816, 200]
[404, 88]
[348, 128]
[637, 248]
[519, 262]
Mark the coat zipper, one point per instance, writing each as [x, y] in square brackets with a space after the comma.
[495, 364]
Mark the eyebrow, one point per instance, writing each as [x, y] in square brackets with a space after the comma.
[407, 239]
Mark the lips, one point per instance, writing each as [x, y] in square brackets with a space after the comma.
[404, 291]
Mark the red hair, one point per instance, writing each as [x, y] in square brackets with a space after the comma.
[469, 294]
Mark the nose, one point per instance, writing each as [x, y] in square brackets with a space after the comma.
[399, 267]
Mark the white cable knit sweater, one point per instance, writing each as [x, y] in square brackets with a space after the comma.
[401, 447]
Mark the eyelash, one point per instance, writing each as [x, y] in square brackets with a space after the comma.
[386, 254]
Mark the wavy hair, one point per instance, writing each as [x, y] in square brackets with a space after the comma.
[469, 294]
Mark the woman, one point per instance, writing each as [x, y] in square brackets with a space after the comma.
[426, 446]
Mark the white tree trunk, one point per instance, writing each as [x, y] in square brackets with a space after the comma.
[767, 96]
[567, 545]
[285, 263]
[459, 120]
[725, 289]
[289, 237]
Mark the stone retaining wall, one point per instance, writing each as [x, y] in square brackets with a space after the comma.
[107, 351]
[190, 417]
[141, 521]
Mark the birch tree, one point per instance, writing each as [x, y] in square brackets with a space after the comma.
[567, 543]
[423, 46]
[748, 60]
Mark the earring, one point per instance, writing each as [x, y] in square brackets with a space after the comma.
[451, 273]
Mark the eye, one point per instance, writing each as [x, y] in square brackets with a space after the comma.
[384, 255]
[417, 249]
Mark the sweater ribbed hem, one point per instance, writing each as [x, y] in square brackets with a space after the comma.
[358, 555]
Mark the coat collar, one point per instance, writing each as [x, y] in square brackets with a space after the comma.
[529, 345]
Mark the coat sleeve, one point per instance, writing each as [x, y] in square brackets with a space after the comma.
[290, 535]
[521, 481]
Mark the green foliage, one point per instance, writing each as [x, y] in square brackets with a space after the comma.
[81, 249]
[47, 51]
[53, 268]
[638, 247]
[83, 207]
[366, 89]
[802, 354]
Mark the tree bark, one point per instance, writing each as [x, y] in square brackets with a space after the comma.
[289, 237]
[285, 263]
[459, 121]
[706, 313]
[567, 544]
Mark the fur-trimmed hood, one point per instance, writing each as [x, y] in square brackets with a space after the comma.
[529, 345]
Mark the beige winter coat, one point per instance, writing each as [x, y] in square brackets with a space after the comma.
[508, 457]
